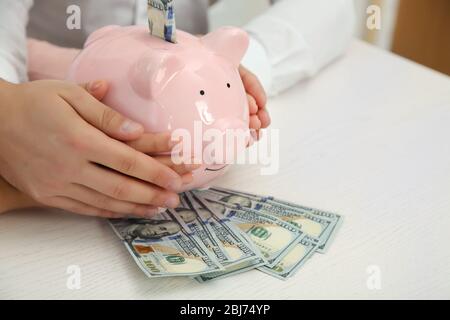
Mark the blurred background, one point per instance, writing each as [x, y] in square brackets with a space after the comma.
[418, 30]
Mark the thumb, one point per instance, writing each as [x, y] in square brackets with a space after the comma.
[97, 89]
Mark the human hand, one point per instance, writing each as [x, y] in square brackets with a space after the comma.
[58, 144]
[257, 99]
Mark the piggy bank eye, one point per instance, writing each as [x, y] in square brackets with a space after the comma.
[228, 85]
[202, 92]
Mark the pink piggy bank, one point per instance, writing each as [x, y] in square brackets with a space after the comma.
[167, 86]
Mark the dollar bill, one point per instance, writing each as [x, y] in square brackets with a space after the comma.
[315, 227]
[161, 19]
[244, 256]
[216, 233]
[318, 224]
[292, 262]
[196, 222]
[336, 219]
[232, 270]
[232, 239]
[161, 247]
[272, 236]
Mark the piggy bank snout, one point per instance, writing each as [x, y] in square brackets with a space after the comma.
[232, 137]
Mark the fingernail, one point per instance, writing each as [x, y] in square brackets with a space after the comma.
[171, 202]
[93, 86]
[130, 126]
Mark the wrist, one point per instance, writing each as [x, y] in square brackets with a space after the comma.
[13, 199]
[7, 90]
[8, 198]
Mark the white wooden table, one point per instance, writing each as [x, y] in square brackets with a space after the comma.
[368, 138]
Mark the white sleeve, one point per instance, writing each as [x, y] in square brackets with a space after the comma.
[13, 39]
[298, 38]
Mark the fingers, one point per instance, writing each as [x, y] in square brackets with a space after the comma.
[187, 178]
[253, 86]
[181, 169]
[264, 118]
[101, 116]
[152, 143]
[97, 89]
[255, 123]
[125, 188]
[257, 99]
[81, 208]
[252, 106]
[124, 159]
[161, 143]
[104, 202]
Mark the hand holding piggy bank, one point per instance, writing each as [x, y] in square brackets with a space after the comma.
[168, 87]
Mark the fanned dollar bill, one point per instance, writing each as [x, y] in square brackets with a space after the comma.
[335, 218]
[318, 224]
[196, 222]
[232, 270]
[272, 236]
[161, 19]
[290, 264]
[161, 247]
[217, 233]
[244, 256]
[315, 227]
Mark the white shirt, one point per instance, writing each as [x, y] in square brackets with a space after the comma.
[290, 41]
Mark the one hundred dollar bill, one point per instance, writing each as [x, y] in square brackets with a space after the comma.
[161, 19]
[336, 219]
[272, 236]
[231, 238]
[161, 247]
[196, 222]
[315, 227]
[232, 270]
[292, 262]
[244, 256]
[318, 224]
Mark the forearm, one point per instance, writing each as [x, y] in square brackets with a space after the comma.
[10, 198]
[47, 61]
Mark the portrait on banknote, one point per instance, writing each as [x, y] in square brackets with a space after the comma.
[145, 229]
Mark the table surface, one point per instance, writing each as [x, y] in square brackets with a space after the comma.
[367, 138]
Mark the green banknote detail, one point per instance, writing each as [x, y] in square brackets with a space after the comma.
[318, 224]
[230, 237]
[161, 247]
[334, 218]
[272, 236]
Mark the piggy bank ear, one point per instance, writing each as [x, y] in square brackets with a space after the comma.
[151, 73]
[229, 42]
[100, 33]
